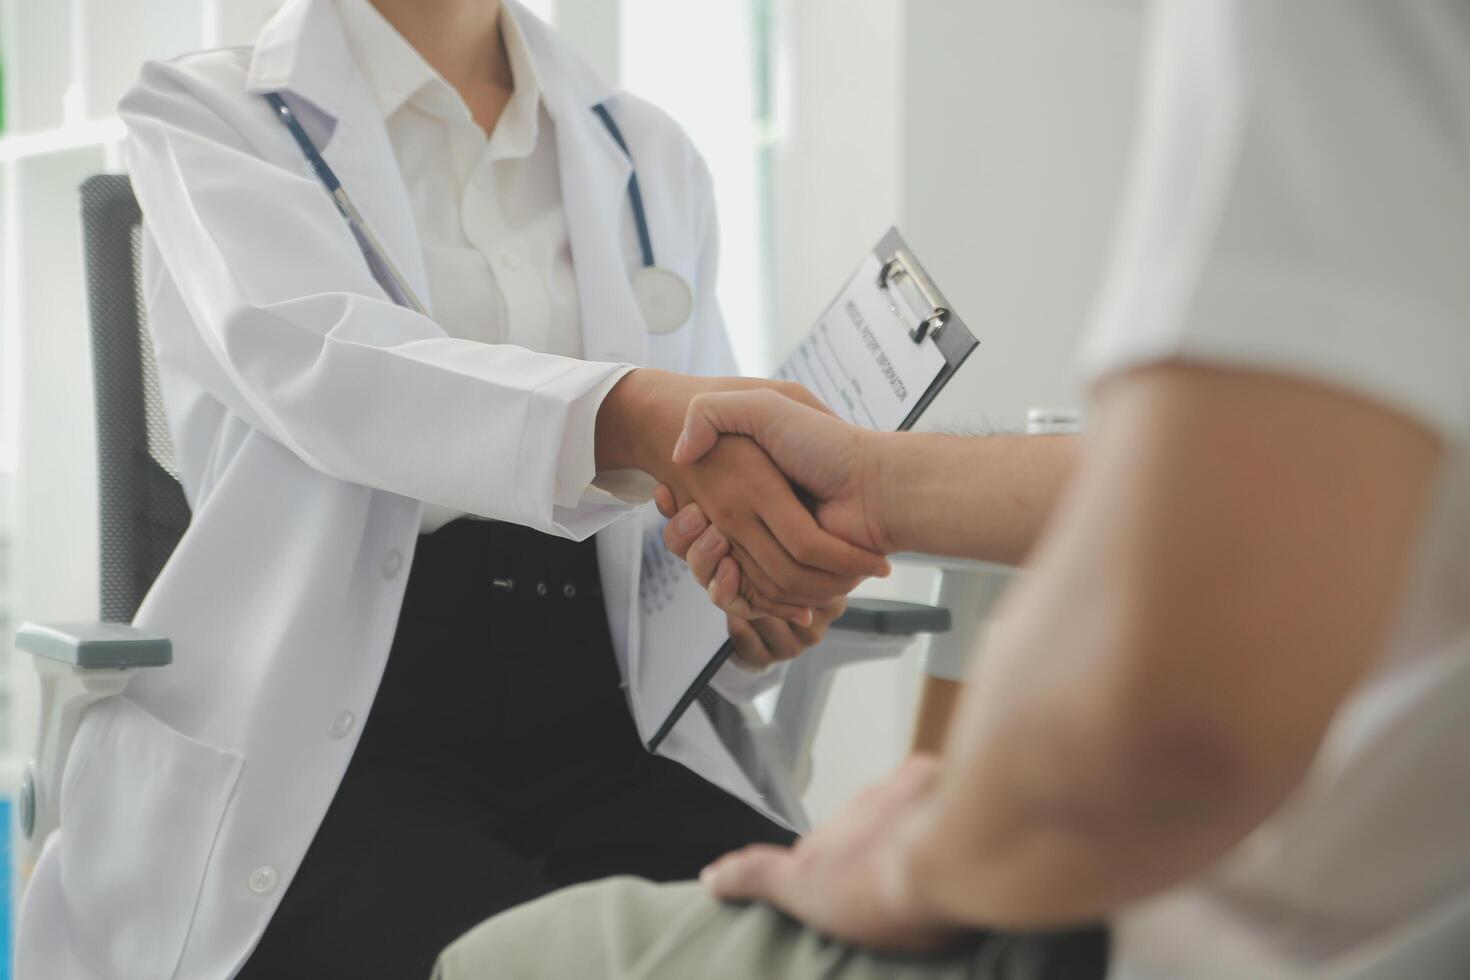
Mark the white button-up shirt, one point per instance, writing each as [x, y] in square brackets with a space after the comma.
[1300, 205]
[489, 215]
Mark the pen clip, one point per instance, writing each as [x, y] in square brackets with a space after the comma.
[902, 281]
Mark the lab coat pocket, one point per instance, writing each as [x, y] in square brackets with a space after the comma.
[132, 781]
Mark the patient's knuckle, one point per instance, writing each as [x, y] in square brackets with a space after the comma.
[804, 547]
[793, 390]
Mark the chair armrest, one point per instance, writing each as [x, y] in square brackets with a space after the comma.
[870, 629]
[78, 664]
[971, 590]
[889, 617]
[95, 646]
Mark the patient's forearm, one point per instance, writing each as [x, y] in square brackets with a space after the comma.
[1055, 806]
[984, 497]
[1069, 830]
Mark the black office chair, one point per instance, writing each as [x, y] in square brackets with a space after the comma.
[143, 514]
[143, 511]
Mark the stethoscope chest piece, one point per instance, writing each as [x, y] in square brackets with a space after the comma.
[664, 297]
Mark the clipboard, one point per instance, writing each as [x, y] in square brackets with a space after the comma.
[902, 277]
[898, 305]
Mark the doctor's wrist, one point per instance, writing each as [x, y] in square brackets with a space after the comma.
[614, 443]
[639, 420]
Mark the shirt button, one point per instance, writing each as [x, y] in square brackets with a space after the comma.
[342, 725]
[392, 563]
[263, 880]
[510, 260]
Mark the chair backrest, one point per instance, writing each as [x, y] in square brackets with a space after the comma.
[143, 511]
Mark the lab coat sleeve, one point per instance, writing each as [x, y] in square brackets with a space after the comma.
[576, 468]
[712, 354]
[315, 353]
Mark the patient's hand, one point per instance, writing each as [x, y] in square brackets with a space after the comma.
[764, 641]
[849, 878]
[789, 566]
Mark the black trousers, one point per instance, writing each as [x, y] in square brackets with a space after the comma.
[499, 763]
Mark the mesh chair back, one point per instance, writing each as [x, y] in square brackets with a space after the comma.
[143, 511]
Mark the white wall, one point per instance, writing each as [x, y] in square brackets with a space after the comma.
[592, 26]
[993, 133]
[836, 183]
[1017, 115]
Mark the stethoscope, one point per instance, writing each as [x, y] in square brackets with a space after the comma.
[663, 297]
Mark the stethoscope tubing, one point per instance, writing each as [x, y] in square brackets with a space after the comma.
[324, 173]
[372, 249]
[635, 193]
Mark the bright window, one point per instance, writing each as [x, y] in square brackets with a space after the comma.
[705, 64]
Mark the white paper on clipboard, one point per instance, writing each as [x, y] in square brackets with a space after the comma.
[861, 361]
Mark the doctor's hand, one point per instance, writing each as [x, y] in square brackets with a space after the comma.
[789, 566]
[764, 641]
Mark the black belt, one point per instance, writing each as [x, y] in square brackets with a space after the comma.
[502, 639]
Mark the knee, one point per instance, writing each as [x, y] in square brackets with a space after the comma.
[550, 937]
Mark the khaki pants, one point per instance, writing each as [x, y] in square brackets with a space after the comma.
[628, 929]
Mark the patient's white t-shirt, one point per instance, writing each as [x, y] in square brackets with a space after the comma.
[1300, 203]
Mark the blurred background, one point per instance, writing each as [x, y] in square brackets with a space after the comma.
[991, 132]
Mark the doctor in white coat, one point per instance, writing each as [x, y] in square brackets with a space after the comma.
[406, 690]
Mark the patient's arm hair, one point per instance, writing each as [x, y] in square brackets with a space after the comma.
[985, 497]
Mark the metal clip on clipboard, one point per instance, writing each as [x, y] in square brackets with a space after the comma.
[901, 279]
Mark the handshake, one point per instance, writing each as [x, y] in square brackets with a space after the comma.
[773, 502]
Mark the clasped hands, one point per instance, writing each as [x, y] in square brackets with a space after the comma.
[779, 565]
[831, 468]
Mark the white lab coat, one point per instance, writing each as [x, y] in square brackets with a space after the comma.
[311, 418]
